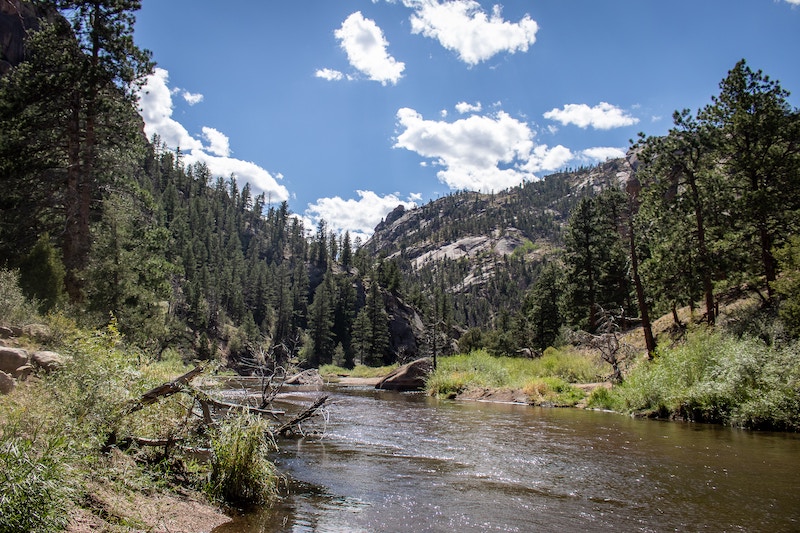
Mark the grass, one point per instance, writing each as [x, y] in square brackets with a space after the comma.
[240, 471]
[545, 380]
[713, 377]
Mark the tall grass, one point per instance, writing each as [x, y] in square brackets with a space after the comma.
[544, 380]
[240, 471]
[33, 483]
[716, 378]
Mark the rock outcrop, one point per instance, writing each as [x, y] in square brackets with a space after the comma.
[16, 19]
[409, 377]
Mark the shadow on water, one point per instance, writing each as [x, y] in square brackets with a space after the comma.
[399, 462]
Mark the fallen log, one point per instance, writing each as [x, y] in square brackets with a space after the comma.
[167, 389]
[289, 427]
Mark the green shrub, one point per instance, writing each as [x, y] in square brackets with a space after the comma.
[240, 471]
[718, 378]
[33, 495]
[16, 308]
[602, 398]
[42, 275]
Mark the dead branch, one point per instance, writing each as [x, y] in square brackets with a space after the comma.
[167, 389]
[289, 426]
[204, 398]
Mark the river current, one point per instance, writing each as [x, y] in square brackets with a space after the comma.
[390, 462]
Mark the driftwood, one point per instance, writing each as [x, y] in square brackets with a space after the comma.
[206, 402]
[167, 389]
[289, 427]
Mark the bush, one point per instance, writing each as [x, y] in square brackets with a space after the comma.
[240, 472]
[16, 309]
[602, 398]
[718, 378]
[33, 495]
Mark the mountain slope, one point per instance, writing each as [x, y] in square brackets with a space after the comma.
[483, 251]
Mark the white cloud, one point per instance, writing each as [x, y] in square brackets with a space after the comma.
[602, 153]
[365, 45]
[329, 74]
[482, 153]
[192, 98]
[794, 2]
[358, 216]
[548, 159]
[219, 143]
[155, 102]
[156, 106]
[603, 116]
[463, 27]
[464, 107]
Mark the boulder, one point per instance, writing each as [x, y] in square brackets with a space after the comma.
[309, 377]
[6, 332]
[7, 383]
[39, 332]
[11, 359]
[409, 377]
[48, 361]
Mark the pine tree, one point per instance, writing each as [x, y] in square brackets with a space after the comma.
[756, 136]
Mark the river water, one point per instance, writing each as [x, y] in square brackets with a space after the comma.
[392, 462]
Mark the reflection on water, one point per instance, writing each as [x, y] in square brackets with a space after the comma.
[399, 462]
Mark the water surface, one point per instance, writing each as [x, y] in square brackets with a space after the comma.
[398, 462]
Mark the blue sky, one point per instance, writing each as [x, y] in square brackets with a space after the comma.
[348, 108]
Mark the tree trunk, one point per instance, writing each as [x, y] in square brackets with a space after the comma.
[644, 312]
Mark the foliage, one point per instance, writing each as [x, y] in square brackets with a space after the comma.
[240, 471]
[42, 275]
[458, 373]
[16, 308]
[718, 378]
[552, 391]
[788, 285]
[34, 484]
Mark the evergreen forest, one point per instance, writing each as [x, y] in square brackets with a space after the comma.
[103, 222]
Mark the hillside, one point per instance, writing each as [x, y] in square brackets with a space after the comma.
[485, 250]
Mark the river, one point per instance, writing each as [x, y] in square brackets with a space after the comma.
[392, 462]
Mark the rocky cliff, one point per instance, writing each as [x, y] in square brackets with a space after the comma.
[16, 19]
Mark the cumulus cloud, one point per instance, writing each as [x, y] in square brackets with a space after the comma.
[329, 74]
[155, 102]
[192, 98]
[464, 107]
[366, 49]
[480, 153]
[156, 107]
[602, 153]
[603, 116]
[358, 216]
[794, 2]
[463, 27]
[219, 143]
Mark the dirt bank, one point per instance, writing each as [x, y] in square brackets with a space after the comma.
[105, 508]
